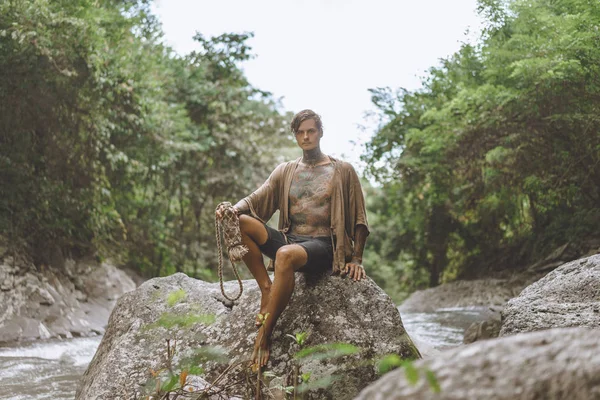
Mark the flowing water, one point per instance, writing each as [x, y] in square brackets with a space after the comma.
[51, 369]
[443, 328]
[44, 369]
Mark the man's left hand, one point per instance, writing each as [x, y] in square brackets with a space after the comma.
[355, 270]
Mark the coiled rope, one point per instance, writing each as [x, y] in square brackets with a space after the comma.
[229, 228]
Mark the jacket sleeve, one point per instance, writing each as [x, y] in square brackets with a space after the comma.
[357, 209]
[264, 201]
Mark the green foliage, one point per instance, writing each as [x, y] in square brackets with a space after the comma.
[262, 318]
[305, 377]
[432, 381]
[321, 383]
[326, 351]
[175, 297]
[496, 159]
[170, 384]
[299, 338]
[112, 145]
[171, 381]
[411, 372]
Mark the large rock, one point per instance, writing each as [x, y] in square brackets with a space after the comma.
[556, 364]
[482, 330]
[480, 292]
[73, 300]
[568, 296]
[329, 309]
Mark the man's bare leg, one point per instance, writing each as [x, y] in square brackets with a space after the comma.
[253, 233]
[288, 260]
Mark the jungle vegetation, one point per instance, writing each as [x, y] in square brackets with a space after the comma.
[495, 160]
[114, 146]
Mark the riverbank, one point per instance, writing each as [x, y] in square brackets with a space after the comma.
[73, 299]
[496, 289]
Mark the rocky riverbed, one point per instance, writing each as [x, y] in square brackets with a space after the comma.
[566, 298]
[550, 334]
[71, 300]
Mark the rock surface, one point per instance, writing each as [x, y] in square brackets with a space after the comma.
[556, 364]
[482, 330]
[75, 300]
[481, 292]
[568, 296]
[329, 309]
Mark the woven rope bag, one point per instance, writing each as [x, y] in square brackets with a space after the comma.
[229, 228]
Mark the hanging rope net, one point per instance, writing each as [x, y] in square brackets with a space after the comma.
[228, 227]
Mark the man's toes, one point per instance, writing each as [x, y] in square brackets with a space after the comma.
[255, 359]
[265, 357]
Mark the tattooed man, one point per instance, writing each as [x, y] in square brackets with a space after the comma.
[322, 224]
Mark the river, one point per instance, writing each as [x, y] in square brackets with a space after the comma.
[50, 369]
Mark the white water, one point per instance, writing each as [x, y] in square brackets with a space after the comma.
[443, 328]
[45, 369]
[50, 369]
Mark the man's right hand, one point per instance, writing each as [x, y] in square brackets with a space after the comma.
[220, 211]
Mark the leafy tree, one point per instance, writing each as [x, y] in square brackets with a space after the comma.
[496, 159]
[113, 146]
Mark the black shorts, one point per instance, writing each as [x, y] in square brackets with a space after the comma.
[318, 248]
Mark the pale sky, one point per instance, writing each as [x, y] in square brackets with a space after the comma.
[325, 54]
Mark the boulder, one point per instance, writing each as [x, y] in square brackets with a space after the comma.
[569, 296]
[328, 309]
[479, 292]
[482, 330]
[556, 364]
[73, 300]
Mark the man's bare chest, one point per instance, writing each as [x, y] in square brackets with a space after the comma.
[312, 185]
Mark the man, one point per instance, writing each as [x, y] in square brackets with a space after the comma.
[322, 225]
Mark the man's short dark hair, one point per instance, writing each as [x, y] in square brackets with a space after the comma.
[303, 116]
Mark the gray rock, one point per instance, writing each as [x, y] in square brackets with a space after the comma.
[483, 330]
[480, 292]
[330, 309]
[44, 303]
[568, 296]
[552, 365]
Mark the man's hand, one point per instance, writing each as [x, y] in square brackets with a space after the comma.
[355, 270]
[220, 211]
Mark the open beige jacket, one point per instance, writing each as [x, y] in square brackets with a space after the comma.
[347, 205]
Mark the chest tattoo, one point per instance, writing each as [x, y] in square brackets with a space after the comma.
[310, 200]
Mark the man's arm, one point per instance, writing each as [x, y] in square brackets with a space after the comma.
[354, 268]
[242, 207]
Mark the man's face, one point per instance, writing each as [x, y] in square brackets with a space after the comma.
[308, 136]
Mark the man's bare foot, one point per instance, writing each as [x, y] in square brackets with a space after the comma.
[262, 348]
[264, 302]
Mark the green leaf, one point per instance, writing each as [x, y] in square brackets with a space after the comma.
[196, 370]
[388, 363]
[170, 384]
[432, 380]
[305, 376]
[327, 351]
[321, 383]
[289, 389]
[411, 372]
[175, 297]
[301, 338]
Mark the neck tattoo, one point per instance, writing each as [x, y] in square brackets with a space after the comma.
[311, 158]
